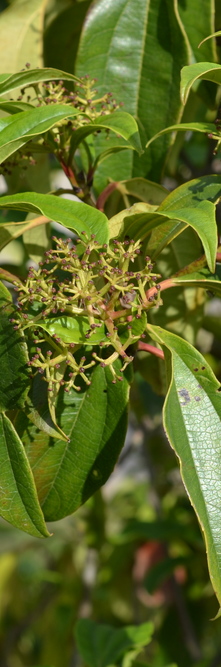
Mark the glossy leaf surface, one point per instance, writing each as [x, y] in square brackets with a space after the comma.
[192, 419]
[189, 194]
[95, 420]
[120, 122]
[9, 82]
[140, 222]
[19, 128]
[204, 70]
[135, 50]
[205, 128]
[18, 500]
[73, 215]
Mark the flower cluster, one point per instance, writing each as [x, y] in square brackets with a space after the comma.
[86, 294]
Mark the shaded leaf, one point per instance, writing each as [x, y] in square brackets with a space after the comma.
[143, 190]
[194, 398]
[197, 23]
[205, 128]
[102, 645]
[14, 357]
[37, 410]
[18, 500]
[95, 420]
[61, 38]
[202, 278]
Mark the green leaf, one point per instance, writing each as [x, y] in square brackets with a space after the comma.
[13, 353]
[143, 190]
[205, 128]
[71, 329]
[139, 224]
[120, 122]
[202, 278]
[30, 77]
[195, 433]
[192, 73]
[37, 410]
[188, 195]
[182, 310]
[22, 26]
[62, 36]
[19, 128]
[102, 645]
[214, 34]
[163, 530]
[135, 50]
[36, 241]
[95, 420]
[18, 501]
[74, 329]
[197, 23]
[162, 571]
[72, 214]
[15, 107]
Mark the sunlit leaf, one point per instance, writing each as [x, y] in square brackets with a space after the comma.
[203, 70]
[194, 399]
[72, 214]
[135, 50]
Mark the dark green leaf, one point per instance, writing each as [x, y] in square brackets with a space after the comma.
[62, 36]
[103, 645]
[196, 24]
[18, 500]
[95, 420]
[13, 355]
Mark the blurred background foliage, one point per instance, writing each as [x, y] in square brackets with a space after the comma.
[134, 552]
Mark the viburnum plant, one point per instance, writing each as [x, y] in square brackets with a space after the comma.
[80, 319]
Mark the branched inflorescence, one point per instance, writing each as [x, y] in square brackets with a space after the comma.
[84, 98]
[94, 296]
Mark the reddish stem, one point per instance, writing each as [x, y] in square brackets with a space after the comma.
[164, 285]
[105, 194]
[150, 348]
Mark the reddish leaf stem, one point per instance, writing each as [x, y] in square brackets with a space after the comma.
[104, 195]
[150, 348]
